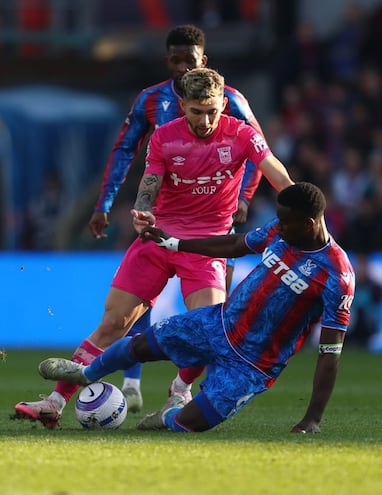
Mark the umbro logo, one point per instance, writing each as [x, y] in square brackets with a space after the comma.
[178, 160]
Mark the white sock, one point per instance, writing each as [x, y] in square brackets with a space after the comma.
[134, 383]
[179, 384]
[61, 402]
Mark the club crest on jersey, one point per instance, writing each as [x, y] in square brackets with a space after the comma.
[307, 267]
[225, 154]
[165, 105]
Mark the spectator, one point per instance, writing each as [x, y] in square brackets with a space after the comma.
[280, 140]
[214, 13]
[351, 182]
[365, 308]
[370, 50]
[344, 46]
[291, 107]
[363, 232]
[300, 54]
[43, 213]
[370, 94]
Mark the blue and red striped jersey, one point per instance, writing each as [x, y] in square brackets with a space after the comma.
[153, 107]
[272, 311]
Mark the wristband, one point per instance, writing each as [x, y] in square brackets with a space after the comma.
[330, 348]
[171, 243]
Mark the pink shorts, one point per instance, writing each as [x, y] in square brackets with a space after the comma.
[146, 268]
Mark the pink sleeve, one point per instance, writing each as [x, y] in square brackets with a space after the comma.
[258, 148]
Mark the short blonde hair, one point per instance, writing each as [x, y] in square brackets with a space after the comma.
[202, 85]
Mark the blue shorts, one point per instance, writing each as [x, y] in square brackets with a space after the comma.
[197, 338]
[231, 262]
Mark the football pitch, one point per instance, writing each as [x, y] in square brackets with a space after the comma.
[253, 453]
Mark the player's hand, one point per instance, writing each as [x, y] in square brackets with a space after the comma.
[142, 219]
[154, 234]
[242, 212]
[98, 222]
[306, 427]
[161, 238]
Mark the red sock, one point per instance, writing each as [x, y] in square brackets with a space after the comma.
[189, 375]
[84, 354]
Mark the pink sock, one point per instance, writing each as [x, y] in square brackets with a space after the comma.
[84, 354]
[189, 375]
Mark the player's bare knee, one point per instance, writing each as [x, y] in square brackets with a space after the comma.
[109, 330]
[112, 321]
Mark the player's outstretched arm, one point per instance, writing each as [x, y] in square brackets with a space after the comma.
[275, 172]
[330, 347]
[221, 246]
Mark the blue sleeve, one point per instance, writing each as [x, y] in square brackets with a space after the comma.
[250, 182]
[128, 143]
[258, 239]
[238, 107]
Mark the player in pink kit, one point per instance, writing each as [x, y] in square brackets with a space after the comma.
[182, 168]
[199, 155]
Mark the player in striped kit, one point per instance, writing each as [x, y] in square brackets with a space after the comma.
[303, 277]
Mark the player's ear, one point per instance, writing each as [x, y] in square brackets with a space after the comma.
[204, 61]
[310, 223]
[225, 101]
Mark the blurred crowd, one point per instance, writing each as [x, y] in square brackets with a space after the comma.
[326, 124]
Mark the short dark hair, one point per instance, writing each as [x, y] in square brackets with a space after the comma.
[303, 197]
[187, 34]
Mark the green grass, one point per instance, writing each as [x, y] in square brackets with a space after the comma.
[253, 453]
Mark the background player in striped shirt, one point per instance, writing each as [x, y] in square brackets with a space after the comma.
[303, 277]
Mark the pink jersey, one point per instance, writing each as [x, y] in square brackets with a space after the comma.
[201, 177]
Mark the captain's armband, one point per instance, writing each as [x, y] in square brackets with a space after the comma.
[330, 348]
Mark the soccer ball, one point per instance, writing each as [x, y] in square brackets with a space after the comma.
[101, 405]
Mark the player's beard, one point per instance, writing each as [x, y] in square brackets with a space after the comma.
[201, 132]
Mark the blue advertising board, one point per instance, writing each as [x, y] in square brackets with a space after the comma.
[55, 300]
